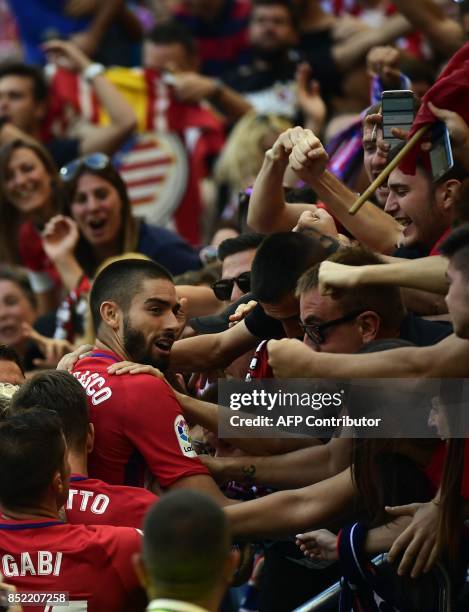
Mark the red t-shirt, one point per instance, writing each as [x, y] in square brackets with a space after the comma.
[94, 502]
[436, 247]
[93, 563]
[32, 253]
[138, 424]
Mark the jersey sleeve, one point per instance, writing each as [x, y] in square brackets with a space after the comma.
[157, 428]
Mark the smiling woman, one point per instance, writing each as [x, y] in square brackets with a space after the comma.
[29, 196]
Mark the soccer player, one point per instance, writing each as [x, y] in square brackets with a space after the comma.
[38, 551]
[137, 419]
[187, 563]
[90, 501]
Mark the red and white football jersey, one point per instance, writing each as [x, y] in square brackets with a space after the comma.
[138, 424]
[93, 564]
[94, 502]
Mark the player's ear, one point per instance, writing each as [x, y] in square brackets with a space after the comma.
[140, 570]
[90, 438]
[110, 314]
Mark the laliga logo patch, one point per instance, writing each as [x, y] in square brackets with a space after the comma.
[182, 435]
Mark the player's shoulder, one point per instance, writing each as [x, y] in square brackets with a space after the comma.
[110, 539]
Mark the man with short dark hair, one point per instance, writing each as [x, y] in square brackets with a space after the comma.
[38, 551]
[187, 563]
[137, 419]
[90, 501]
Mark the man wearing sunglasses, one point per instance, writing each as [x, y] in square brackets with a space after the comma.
[236, 255]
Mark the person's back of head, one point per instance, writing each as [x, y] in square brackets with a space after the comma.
[384, 300]
[59, 392]
[186, 549]
[280, 261]
[119, 282]
[32, 461]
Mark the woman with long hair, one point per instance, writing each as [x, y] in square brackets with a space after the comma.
[29, 196]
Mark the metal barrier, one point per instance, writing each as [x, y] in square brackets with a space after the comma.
[331, 595]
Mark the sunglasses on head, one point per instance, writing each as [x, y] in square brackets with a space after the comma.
[316, 331]
[224, 287]
[95, 161]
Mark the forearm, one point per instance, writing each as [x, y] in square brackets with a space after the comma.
[445, 34]
[286, 471]
[211, 351]
[372, 226]
[231, 103]
[380, 539]
[69, 270]
[268, 212]
[348, 53]
[427, 274]
[448, 358]
[288, 512]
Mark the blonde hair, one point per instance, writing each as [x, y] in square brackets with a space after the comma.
[90, 332]
[244, 150]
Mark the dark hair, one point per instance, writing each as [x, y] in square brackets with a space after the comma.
[456, 248]
[20, 279]
[128, 233]
[120, 282]
[384, 300]
[279, 262]
[7, 353]
[185, 544]
[10, 217]
[60, 392]
[287, 5]
[26, 71]
[32, 450]
[243, 242]
[296, 195]
[172, 32]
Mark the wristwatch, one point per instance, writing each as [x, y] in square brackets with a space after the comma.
[92, 71]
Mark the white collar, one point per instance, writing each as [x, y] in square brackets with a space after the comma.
[175, 605]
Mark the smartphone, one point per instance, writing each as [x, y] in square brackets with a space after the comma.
[397, 108]
[441, 154]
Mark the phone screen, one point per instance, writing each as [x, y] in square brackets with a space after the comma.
[441, 154]
[397, 108]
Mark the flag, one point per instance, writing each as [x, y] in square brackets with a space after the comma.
[164, 162]
[449, 92]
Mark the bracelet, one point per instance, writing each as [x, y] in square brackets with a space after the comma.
[92, 71]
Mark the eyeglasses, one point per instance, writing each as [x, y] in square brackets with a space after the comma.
[224, 287]
[316, 331]
[95, 161]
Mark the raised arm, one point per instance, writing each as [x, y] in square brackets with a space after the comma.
[447, 359]
[211, 351]
[426, 273]
[288, 512]
[106, 139]
[268, 212]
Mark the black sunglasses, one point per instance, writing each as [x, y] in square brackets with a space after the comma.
[95, 161]
[315, 331]
[224, 287]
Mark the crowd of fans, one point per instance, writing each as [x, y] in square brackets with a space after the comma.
[176, 178]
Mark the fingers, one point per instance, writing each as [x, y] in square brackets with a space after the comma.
[405, 510]
[399, 544]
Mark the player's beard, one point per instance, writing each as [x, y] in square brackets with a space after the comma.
[135, 347]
